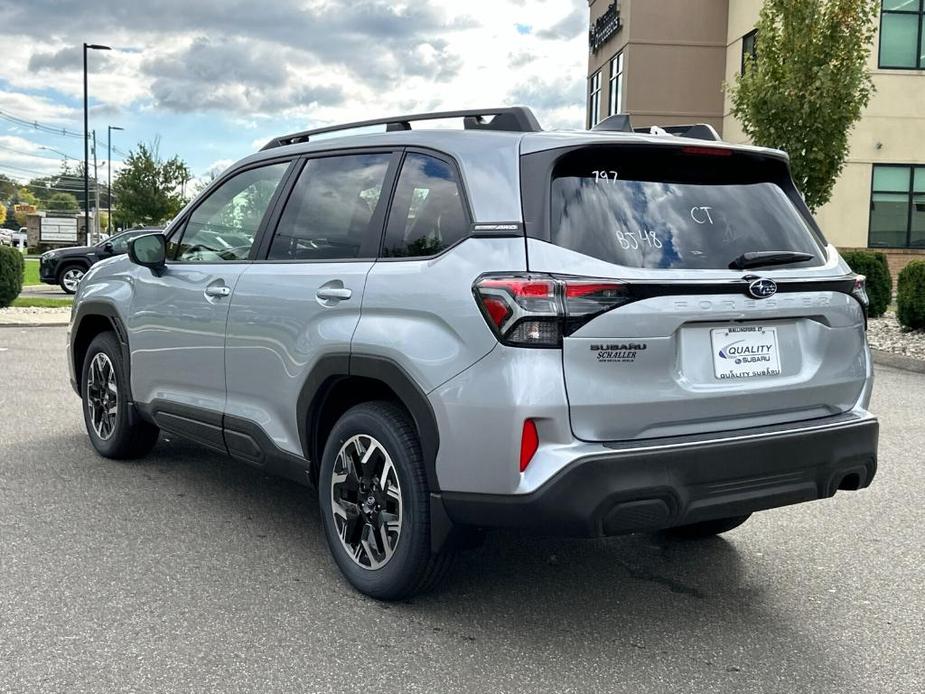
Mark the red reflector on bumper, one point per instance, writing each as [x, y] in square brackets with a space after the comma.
[529, 442]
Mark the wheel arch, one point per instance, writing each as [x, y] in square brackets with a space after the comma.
[65, 263]
[338, 382]
[91, 319]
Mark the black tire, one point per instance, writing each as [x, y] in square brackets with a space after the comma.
[64, 277]
[412, 568]
[697, 531]
[129, 436]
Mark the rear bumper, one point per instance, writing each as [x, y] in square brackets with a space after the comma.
[686, 479]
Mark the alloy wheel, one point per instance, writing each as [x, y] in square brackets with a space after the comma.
[102, 396]
[71, 279]
[366, 501]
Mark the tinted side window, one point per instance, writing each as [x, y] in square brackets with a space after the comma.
[329, 212]
[427, 213]
[223, 226]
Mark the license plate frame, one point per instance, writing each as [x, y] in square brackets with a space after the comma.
[745, 352]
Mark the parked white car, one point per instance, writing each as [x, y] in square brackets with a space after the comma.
[6, 237]
[19, 238]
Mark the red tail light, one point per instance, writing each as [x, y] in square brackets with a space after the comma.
[538, 310]
[529, 442]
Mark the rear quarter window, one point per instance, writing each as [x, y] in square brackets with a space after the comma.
[672, 209]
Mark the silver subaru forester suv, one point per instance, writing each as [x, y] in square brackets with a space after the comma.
[584, 333]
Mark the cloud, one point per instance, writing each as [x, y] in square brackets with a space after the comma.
[549, 95]
[558, 102]
[210, 75]
[230, 76]
[573, 24]
[223, 61]
[69, 58]
[519, 60]
[356, 35]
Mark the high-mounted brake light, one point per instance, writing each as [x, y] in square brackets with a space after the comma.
[708, 151]
[539, 310]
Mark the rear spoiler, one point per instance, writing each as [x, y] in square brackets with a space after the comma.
[697, 131]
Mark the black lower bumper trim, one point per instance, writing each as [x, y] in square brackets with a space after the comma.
[660, 486]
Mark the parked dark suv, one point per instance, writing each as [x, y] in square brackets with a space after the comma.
[67, 266]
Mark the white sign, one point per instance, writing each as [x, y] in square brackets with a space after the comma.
[58, 229]
[745, 352]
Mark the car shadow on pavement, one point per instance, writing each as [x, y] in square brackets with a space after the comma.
[637, 596]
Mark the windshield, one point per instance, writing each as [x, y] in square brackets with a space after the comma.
[599, 208]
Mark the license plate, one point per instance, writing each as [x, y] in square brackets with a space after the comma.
[745, 352]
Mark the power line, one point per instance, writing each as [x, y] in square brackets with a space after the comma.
[26, 169]
[41, 127]
[32, 154]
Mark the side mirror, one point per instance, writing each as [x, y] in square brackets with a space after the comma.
[107, 248]
[149, 251]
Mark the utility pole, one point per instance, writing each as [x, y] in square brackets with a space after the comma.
[109, 129]
[94, 47]
[96, 186]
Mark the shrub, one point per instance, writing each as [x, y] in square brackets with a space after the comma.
[11, 271]
[873, 265]
[910, 295]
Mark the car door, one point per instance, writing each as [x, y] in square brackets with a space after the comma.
[301, 301]
[177, 328]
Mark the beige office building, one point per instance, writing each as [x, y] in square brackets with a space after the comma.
[665, 62]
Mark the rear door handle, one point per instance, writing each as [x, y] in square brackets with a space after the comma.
[334, 293]
[218, 290]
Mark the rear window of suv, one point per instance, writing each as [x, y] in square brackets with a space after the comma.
[690, 208]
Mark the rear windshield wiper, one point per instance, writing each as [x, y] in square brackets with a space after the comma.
[763, 258]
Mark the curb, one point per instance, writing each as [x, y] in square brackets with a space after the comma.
[32, 325]
[898, 361]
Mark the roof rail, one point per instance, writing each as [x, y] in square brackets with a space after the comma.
[508, 118]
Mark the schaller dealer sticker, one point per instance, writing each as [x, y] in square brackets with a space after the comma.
[618, 353]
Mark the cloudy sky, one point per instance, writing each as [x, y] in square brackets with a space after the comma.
[215, 79]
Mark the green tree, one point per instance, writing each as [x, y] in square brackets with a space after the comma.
[808, 85]
[2, 214]
[148, 189]
[62, 202]
[24, 196]
[69, 179]
[8, 188]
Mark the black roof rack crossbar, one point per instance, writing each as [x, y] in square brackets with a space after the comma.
[509, 118]
[697, 131]
[621, 123]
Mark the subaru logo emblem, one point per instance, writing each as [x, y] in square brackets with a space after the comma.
[762, 288]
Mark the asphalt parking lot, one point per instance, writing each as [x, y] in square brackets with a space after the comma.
[189, 572]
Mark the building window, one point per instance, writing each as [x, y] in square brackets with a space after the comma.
[897, 207]
[594, 99]
[616, 84]
[902, 34]
[749, 47]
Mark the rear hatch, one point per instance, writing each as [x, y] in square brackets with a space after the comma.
[734, 311]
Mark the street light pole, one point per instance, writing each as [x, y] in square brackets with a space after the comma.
[94, 47]
[109, 129]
